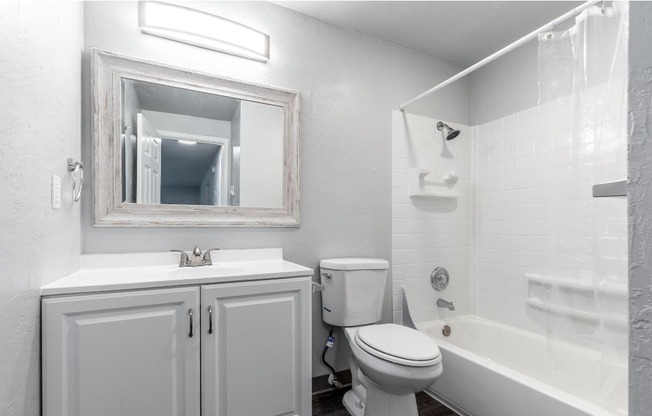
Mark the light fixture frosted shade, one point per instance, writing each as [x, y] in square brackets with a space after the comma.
[202, 29]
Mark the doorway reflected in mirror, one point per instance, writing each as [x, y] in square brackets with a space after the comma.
[189, 147]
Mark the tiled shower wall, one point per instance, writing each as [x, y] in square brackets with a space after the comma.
[430, 232]
[536, 217]
[508, 217]
[499, 230]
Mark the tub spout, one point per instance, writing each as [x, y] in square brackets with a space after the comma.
[445, 304]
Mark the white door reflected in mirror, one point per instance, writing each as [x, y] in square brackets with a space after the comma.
[148, 165]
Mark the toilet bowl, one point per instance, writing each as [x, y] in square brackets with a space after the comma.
[389, 363]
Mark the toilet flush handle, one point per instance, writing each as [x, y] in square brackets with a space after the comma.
[327, 275]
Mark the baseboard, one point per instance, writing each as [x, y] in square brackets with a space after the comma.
[320, 383]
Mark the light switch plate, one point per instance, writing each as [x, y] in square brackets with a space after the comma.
[56, 192]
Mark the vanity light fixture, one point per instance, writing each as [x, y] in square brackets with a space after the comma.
[197, 28]
[186, 141]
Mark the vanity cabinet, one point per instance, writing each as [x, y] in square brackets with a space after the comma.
[256, 361]
[245, 346]
[121, 354]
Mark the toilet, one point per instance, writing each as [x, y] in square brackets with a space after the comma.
[390, 363]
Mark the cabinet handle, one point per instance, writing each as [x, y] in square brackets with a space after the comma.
[210, 319]
[190, 314]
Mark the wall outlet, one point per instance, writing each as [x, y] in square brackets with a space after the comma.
[56, 192]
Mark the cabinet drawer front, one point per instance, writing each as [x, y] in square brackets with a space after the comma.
[120, 354]
[256, 360]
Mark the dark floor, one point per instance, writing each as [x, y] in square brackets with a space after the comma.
[330, 404]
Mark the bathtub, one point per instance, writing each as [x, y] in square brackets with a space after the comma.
[491, 369]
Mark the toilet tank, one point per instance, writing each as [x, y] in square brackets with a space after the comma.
[354, 290]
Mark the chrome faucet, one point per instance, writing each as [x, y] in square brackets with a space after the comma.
[196, 259]
[445, 304]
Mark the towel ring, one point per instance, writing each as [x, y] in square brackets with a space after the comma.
[77, 169]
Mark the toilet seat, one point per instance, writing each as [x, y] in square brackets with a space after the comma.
[398, 344]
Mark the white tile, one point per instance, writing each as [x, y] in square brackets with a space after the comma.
[513, 184]
[526, 147]
[400, 164]
[397, 317]
[397, 303]
[526, 164]
[399, 180]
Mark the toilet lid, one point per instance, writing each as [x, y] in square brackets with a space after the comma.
[398, 344]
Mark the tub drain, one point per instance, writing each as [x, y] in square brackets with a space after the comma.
[446, 330]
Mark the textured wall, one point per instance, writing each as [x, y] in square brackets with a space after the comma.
[40, 57]
[349, 84]
[640, 209]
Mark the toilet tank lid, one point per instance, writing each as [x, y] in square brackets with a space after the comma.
[354, 264]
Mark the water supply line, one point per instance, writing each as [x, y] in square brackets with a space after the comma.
[547, 27]
[332, 377]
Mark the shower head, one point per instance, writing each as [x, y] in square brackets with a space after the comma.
[451, 133]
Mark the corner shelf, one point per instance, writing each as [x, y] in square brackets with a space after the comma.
[421, 186]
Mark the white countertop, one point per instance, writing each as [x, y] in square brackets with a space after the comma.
[108, 272]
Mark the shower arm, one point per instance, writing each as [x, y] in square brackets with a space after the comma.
[548, 26]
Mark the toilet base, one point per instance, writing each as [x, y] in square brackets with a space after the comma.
[353, 404]
[380, 403]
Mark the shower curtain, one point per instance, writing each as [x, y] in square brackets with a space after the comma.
[581, 140]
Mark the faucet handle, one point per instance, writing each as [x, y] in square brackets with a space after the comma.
[207, 257]
[185, 260]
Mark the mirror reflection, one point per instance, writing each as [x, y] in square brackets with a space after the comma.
[181, 146]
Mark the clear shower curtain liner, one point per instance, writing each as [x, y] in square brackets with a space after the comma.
[580, 290]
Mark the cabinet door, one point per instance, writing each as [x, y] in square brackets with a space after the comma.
[122, 354]
[256, 354]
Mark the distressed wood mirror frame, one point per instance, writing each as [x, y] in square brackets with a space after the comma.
[109, 210]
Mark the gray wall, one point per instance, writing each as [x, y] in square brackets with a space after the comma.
[640, 209]
[349, 83]
[505, 86]
[508, 85]
[40, 124]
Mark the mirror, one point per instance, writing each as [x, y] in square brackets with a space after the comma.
[174, 147]
[188, 147]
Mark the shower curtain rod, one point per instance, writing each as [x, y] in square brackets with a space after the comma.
[548, 26]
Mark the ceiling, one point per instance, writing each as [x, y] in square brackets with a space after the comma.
[462, 32]
[166, 99]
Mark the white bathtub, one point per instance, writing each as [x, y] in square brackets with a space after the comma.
[491, 369]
